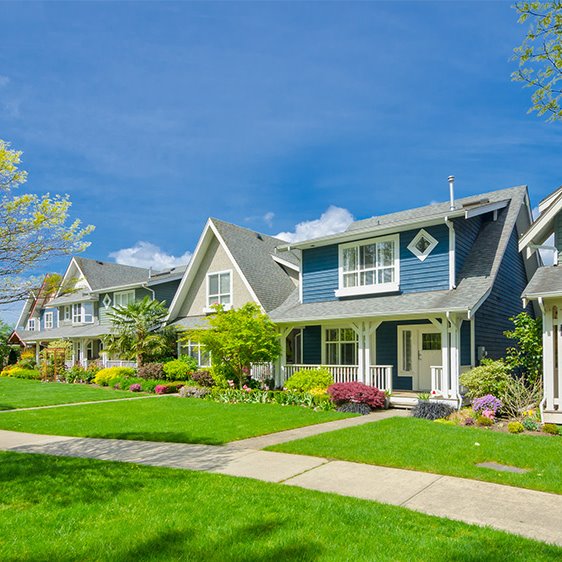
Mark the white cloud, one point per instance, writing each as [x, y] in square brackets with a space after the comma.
[146, 254]
[268, 218]
[333, 220]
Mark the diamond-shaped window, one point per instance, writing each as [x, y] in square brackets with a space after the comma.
[106, 301]
[422, 245]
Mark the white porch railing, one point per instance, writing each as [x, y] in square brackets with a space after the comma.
[262, 371]
[119, 363]
[380, 376]
[438, 382]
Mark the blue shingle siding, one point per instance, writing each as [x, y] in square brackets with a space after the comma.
[465, 343]
[320, 267]
[312, 345]
[466, 232]
[432, 274]
[492, 318]
[320, 273]
[166, 291]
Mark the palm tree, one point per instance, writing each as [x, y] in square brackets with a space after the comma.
[137, 330]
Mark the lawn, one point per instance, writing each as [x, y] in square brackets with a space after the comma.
[77, 509]
[19, 393]
[431, 447]
[169, 418]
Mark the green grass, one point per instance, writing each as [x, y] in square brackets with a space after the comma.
[77, 509]
[427, 446]
[20, 393]
[169, 418]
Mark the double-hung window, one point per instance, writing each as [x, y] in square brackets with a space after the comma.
[48, 320]
[341, 346]
[31, 325]
[123, 298]
[198, 352]
[77, 313]
[67, 313]
[219, 288]
[369, 266]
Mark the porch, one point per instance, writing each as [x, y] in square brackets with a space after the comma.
[404, 357]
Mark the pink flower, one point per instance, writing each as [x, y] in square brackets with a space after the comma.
[489, 414]
[230, 383]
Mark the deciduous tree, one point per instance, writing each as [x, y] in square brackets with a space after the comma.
[33, 229]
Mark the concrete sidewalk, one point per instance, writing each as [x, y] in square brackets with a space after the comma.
[532, 514]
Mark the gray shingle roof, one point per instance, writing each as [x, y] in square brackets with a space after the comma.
[103, 275]
[476, 278]
[190, 322]
[253, 252]
[77, 296]
[546, 281]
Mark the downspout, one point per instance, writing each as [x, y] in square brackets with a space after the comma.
[543, 311]
[452, 265]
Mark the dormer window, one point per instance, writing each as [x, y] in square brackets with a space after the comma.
[31, 326]
[369, 266]
[219, 289]
[48, 320]
[422, 245]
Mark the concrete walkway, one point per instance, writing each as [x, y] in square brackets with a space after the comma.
[532, 514]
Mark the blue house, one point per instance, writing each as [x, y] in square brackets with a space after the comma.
[409, 300]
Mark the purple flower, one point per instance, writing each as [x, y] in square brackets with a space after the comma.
[136, 387]
[487, 403]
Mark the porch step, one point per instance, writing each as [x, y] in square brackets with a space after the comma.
[404, 402]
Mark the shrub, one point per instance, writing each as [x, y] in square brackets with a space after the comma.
[193, 392]
[356, 392]
[154, 371]
[307, 379]
[519, 397]
[432, 410]
[180, 369]
[488, 402]
[491, 377]
[469, 421]
[107, 376]
[76, 373]
[530, 425]
[551, 428]
[27, 360]
[354, 408]
[21, 373]
[515, 427]
[484, 421]
[167, 388]
[203, 378]
[135, 387]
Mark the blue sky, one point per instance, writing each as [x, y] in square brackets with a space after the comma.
[154, 116]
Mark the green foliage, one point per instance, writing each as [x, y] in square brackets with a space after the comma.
[53, 358]
[526, 355]
[484, 421]
[105, 377]
[33, 229]
[27, 359]
[530, 424]
[491, 377]
[239, 337]
[5, 347]
[515, 427]
[551, 428]
[540, 56]
[21, 373]
[520, 396]
[137, 331]
[180, 369]
[307, 379]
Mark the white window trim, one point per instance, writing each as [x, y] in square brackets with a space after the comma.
[200, 348]
[82, 315]
[67, 313]
[370, 289]
[51, 323]
[324, 341]
[32, 324]
[416, 329]
[208, 308]
[432, 244]
[120, 294]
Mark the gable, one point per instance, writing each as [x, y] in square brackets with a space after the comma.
[214, 259]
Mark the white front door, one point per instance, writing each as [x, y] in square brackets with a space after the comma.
[429, 355]
[419, 349]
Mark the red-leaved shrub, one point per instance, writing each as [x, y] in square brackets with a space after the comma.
[342, 392]
[169, 388]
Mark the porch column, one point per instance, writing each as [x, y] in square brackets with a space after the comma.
[367, 338]
[445, 348]
[37, 353]
[456, 324]
[359, 329]
[548, 358]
